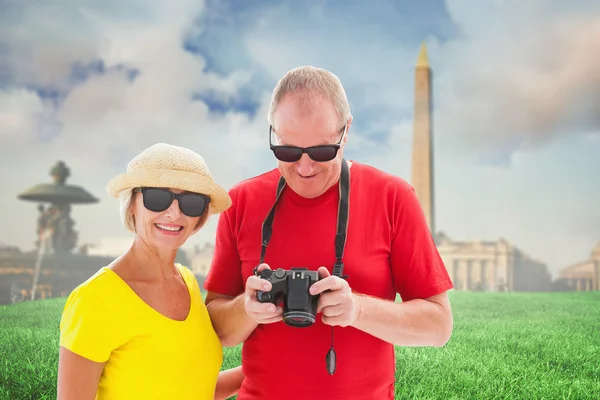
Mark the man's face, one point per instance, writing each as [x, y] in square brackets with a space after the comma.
[295, 127]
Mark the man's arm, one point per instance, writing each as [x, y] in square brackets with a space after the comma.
[235, 318]
[424, 318]
[229, 318]
[418, 322]
[225, 286]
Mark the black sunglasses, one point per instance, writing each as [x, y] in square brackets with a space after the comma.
[321, 153]
[158, 199]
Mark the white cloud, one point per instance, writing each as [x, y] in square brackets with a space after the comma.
[107, 120]
[489, 83]
[42, 41]
[19, 111]
[526, 75]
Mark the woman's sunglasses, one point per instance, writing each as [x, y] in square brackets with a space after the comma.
[321, 153]
[158, 199]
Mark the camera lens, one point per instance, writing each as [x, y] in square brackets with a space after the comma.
[298, 319]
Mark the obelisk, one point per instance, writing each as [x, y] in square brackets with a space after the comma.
[422, 156]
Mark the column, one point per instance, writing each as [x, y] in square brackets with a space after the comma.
[483, 275]
[476, 274]
[491, 274]
[463, 275]
[469, 267]
[456, 274]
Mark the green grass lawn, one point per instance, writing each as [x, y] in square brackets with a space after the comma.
[504, 346]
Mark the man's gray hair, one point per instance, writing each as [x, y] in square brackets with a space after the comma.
[310, 83]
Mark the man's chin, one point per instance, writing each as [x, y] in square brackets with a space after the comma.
[307, 188]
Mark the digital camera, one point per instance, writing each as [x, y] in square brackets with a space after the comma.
[291, 286]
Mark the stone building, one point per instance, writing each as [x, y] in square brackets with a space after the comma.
[584, 275]
[492, 266]
[58, 275]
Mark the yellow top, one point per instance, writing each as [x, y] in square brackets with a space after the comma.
[423, 60]
[147, 355]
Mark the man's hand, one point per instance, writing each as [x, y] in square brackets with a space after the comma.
[337, 302]
[261, 313]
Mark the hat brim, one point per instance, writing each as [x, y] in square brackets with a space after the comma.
[219, 198]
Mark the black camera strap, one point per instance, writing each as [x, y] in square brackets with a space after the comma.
[342, 221]
[340, 238]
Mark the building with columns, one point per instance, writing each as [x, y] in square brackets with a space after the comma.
[492, 266]
[584, 275]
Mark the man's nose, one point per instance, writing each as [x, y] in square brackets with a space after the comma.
[305, 165]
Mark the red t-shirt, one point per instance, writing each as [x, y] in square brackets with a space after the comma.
[389, 250]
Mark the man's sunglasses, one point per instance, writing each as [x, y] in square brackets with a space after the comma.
[321, 153]
[158, 199]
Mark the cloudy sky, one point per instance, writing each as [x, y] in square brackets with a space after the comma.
[516, 86]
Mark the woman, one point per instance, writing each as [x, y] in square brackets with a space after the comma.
[138, 328]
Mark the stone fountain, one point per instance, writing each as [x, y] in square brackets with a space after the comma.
[55, 219]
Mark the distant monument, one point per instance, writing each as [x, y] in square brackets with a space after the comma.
[422, 153]
[49, 270]
[584, 275]
[54, 222]
[475, 265]
[57, 264]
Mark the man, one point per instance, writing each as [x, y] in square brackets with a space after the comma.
[388, 249]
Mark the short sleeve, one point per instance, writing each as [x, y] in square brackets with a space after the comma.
[224, 275]
[86, 327]
[417, 267]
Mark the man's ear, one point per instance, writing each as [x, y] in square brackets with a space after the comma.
[348, 124]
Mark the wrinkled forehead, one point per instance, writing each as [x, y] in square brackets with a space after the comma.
[307, 137]
[307, 122]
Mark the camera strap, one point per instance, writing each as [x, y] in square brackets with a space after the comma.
[342, 221]
[340, 241]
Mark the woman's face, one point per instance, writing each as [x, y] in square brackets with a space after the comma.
[168, 229]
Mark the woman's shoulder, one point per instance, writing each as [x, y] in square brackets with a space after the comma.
[90, 292]
[101, 278]
[87, 325]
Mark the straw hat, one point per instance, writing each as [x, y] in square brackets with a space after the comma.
[167, 166]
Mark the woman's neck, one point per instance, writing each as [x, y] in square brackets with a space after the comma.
[148, 263]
